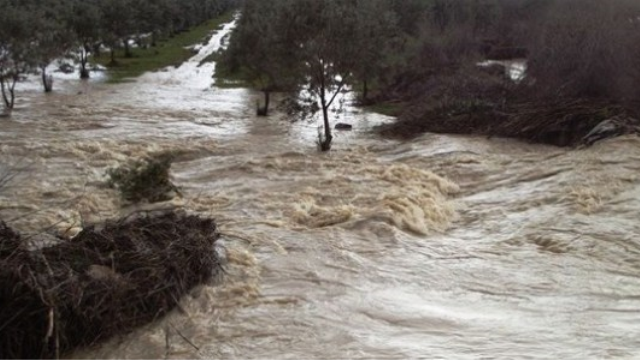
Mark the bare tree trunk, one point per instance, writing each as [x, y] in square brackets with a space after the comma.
[5, 99]
[8, 85]
[47, 80]
[12, 91]
[84, 59]
[325, 143]
[264, 111]
[113, 57]
[127, 49]
[365, 91]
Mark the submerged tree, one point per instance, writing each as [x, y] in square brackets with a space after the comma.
[261, 50]
[16, 37]
[33, 33]
[303, 46]
[118, 24]
[313, 49]
[84, 21]
[52, 39]
[328, 54]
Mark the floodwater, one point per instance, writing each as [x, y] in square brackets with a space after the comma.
[444, 247]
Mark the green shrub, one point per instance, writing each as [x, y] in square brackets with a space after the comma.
[144, 180]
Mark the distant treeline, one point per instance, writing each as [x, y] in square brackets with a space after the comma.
[33, 33]
[419, 57]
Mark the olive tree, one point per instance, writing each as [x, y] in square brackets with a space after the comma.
[314, 49]
[51, 40]
[327, 54]
[118, 24]
[84, 21]
[376, 34]
[261, 50]
[16, 58]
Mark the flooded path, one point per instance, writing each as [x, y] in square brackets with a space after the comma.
[445, 247]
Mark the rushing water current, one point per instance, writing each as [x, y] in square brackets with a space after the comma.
[444, 247]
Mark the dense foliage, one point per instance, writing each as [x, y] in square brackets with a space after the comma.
[421, 57]
[146, 179]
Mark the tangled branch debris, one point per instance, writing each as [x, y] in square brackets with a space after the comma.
[108, 280]
[558, 122]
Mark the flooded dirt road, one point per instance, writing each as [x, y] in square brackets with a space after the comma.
[445, 247]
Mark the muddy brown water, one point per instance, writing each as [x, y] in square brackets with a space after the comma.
[445, 247]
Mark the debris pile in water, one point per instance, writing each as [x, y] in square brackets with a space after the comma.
[557, 122]
[108, 280]
[561, 123]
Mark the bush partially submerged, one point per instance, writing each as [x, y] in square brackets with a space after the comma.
[147, 179]
[107, 281]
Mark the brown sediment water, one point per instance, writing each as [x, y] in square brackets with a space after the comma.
[444, 247]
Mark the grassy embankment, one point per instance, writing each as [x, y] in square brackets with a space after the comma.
[386, 108]
[378, 103]
[170, 52]
[225, 78]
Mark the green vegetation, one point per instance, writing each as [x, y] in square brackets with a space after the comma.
[311, 49]
[144, 180]
[171, 52]
[213, 57]
[227, 78]
[386, 108]
[418, 59]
